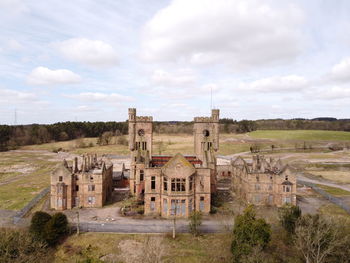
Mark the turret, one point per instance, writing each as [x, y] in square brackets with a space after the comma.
[132, 123]
[206, 137]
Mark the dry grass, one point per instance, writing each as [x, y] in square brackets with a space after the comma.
[336, 176]
[120, 248]
[333, 190]
[333, 210]
[18, 188]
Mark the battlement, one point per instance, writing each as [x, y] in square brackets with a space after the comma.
[203, 119]
[144, 118]
[213, 118]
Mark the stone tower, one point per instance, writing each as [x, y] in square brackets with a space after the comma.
[206, 137]
[140, 145]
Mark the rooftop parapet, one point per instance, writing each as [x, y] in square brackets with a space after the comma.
[203, 119]
[144, 118]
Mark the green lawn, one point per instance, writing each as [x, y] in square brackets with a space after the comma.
[301, 135]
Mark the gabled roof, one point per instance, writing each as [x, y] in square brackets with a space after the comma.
[61, 170]
[178, 166]
[239, 161]
[287, 183]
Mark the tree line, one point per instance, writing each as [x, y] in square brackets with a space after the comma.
[18, 135]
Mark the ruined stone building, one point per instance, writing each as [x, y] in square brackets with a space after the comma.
[263, 181]
[87, 183]
[173, 185]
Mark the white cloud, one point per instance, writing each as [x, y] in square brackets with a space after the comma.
[288, 83]
[13, 44]
[209, 87]
[240, 33]
[100, 97]
[332, 93]
[341, 71]
[90, 52]
[11, 8]
[85, 108]
[45, 76]
[14, 96]
[178, 78]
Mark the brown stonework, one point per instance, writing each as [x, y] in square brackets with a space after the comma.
[175, 185]
[87, 183]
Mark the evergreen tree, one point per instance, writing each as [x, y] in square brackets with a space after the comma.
[56, 228]
[249, 232]
[37, 225]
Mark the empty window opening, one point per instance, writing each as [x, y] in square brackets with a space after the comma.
[91, 200]
[178, 185]
[165, 184]
[190, 205]
[287, 188]
[153, 182]
[191, 183]
[60, 178]
[141, 175]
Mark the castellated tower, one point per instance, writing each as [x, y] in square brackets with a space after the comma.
[206, 137]
[140, 145]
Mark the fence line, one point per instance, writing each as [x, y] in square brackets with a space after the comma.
[20, 214]
[331, 198]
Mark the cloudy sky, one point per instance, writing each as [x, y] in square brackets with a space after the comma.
[91, 60]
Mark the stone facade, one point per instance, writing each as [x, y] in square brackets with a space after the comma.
[263, 181]
[173, 185]
[87, 183]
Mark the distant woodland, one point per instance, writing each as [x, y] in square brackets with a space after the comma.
[14, 136]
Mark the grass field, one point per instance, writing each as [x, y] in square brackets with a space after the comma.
[336, 176]
[162, 144]
[32, 176]
[333, 210]
[22, 186]
[301, 135]
[334, 190]
[91, 247]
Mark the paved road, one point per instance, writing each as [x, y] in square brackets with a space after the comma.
[141, 226]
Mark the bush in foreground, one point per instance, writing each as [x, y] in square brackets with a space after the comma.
[195, 222]
[249, 233]
[38, 222]
[20, 246]
[56, 228]
[48, 229]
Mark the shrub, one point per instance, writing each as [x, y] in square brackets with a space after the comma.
[56, 228]
[213, 210]
[195, 222]
[37, 224]
[121, 140]
[249, 232]
[20, 246]
[288, 216]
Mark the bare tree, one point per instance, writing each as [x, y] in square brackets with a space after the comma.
[318, 238]
[153, 250]
[106, 138]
